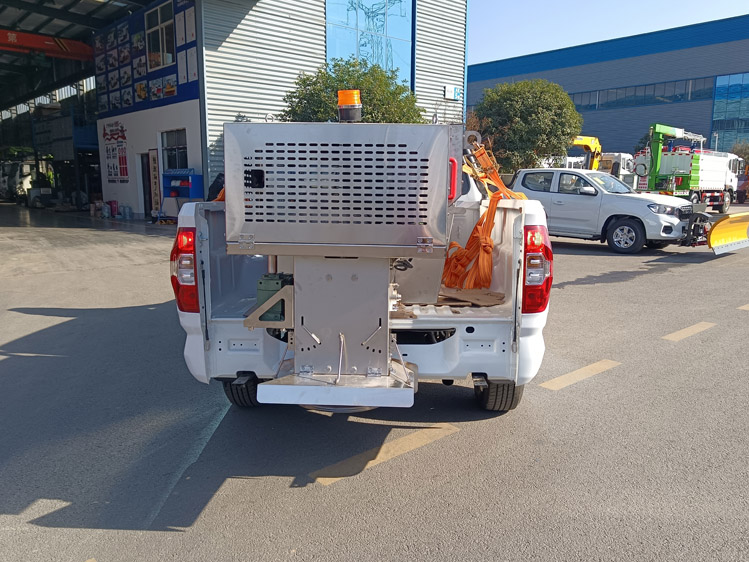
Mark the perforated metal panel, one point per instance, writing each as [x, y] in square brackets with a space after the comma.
[319, 189]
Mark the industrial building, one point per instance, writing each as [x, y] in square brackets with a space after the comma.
[694, 77]
[169, 74]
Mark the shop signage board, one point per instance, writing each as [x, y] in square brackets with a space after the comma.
[153, 161]
[114, 135]
[133, 74]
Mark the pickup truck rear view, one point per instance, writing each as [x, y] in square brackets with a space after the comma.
[318, 280]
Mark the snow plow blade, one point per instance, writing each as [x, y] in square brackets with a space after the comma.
[729, 233]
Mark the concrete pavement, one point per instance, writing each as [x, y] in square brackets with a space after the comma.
[111, 451]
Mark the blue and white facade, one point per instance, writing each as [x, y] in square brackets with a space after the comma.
[169, 76]
[694, 77]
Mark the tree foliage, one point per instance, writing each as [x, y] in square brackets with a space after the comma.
[642, 143]
[741, 149]
[527, 121]
[384, 100]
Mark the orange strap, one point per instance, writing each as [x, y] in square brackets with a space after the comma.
[471, 267]
[221, 195]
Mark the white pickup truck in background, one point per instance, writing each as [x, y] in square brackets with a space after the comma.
[597, 206]
[318, 281]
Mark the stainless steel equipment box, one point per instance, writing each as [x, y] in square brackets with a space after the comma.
[367, 190]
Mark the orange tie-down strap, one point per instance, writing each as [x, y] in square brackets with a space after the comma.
[471, 267]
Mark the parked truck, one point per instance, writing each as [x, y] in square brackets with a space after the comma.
[620, 165]
[318, 281]
[691, 172]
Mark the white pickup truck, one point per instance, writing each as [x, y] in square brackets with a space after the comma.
[597, 206]
[318, 281]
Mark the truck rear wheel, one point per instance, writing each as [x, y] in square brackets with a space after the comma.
[242, 392]
[726, 202]
[626, 236]
[499, 396]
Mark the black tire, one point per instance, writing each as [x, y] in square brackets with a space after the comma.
[626, 236]
[726, 202]
[741, 197]
[242, 395]
[656, 244]
[498, 396]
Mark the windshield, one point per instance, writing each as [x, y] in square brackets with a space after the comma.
[609, 183]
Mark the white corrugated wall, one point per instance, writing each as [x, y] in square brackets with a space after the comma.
[254, 51]
[440, 56]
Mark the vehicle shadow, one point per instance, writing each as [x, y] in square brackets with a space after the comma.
[101, 415]
[647, 262]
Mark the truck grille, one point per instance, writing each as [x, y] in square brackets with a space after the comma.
[685, 212]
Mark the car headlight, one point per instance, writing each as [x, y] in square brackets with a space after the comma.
[663, 209]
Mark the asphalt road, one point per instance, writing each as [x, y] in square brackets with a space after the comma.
[110, 451]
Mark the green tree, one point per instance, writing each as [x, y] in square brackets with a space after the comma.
[741, 149]
[384, 100]
[642, 143]
[526, 121]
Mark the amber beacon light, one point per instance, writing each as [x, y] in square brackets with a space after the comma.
[349, 106]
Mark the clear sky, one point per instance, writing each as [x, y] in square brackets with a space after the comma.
[500, 29]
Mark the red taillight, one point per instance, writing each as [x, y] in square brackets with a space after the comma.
[538, 268]
[184, 271]
[186, 240]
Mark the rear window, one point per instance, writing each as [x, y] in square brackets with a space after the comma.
[538, 181]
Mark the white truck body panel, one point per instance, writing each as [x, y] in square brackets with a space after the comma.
[218, 345]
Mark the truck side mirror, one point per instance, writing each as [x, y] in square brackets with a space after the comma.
[588, 190]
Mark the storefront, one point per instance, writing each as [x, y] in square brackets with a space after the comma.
[170, 75]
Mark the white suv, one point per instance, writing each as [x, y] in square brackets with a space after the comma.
[597, 206]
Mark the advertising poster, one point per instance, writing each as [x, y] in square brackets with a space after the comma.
[190, 34]
[170, 86]
[114, 80]
[192, 64]
[126, 76]
[124, 80]
[139, 67]
[127, 97]
[179, 24]
[141, 91]
[115, 101]
[115, 145]
[182, 67]
[156, 89]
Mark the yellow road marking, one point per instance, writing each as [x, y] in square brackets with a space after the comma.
[390, 450]
[686, 332]
[745, 307]
[579, 375]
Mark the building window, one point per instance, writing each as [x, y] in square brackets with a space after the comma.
[160, 36]
[174, 149]
[663, 92]
[378, 31]
[730, 111]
